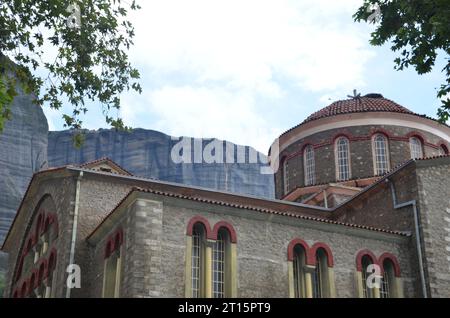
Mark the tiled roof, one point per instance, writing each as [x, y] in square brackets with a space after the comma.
[108, 161]
[246, 207]
[367, 103]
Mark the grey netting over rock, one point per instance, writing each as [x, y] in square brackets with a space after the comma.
[147, 153]
[23, 151]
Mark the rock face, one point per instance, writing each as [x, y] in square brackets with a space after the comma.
[23, 151]
[149, 153]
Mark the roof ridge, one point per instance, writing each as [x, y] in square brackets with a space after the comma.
[356, 105]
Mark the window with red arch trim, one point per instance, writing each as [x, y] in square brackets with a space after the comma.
[363, 253]
[318, 255]
[34, 251]
[228, 227]
[326, 249]
[323, 260]
[291, 248]
[443, 149]
[113, 243]
[199, 219]
[111, 273]
[390, 271]
[389, 257]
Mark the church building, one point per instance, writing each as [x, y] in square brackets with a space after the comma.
[362, 210]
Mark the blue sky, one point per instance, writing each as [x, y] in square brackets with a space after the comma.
[245, 71]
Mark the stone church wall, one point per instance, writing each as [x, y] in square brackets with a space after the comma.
[361, 158]
[434, 207]
[158, 256]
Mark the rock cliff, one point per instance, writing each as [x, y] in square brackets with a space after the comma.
[149, 153]
[23, 151]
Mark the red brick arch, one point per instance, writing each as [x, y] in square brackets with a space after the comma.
[204, 222]
[306, 144]
[114, 242]
[379, 130]
[291, 246]
[341, 134]
[418, 135]
[363, 253]
[228, 227]
[388, 256]
[443, 145]
[327, 250]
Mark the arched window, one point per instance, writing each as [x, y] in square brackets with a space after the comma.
[318, 276]
[299, 263]
[380, 154]
[366, 261]
[415, 146]
[443, 150]
[342, 155]
[391, 286]
[112, 266]
[309, 165]
[310, 270]
[286, 176]
[322, 283]
[32, 262]
[387, 279]
[198, 260]
[214, 263]
[221, 264]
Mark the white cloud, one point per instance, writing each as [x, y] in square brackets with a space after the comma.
[207, 112]
[205, 59]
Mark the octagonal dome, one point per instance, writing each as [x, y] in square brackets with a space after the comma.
[366, 103]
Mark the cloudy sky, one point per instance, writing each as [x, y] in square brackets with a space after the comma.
[247, 70]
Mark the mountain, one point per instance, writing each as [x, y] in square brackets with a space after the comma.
[152, 154]
[23, 151]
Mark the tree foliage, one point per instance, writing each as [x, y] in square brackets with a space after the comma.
[418, 30]
[66, 55]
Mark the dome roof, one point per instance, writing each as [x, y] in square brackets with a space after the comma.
[366, 103]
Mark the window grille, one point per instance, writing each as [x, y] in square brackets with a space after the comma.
[343, 160]
[309, 162]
